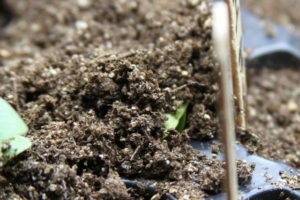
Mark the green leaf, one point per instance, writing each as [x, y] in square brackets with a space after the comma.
[12, 148]
[11, 123]
[12, 127]
[181, 123]
[176, 120]
[171, 122]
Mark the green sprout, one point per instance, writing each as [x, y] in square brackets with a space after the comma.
[12, 127]
[176, 120]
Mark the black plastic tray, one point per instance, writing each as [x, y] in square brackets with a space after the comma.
[259, 188]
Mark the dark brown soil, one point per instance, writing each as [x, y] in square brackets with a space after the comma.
[273, 95]
[92, 81]
[274, 109]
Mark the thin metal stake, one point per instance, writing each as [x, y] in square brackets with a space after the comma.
[221, 38]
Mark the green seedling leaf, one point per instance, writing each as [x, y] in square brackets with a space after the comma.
[181, 123]
[176, 120]
[11, 124]
[12, 127]
[12, 147]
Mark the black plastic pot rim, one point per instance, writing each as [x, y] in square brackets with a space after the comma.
[265, 193]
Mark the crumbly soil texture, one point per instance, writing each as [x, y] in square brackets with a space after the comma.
[93, 79]
[274, 109]
[273, 90]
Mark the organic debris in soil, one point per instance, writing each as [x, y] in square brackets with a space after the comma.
[275, 94]
[93, 80]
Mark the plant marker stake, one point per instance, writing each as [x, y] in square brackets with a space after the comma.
[220, 33]
[237, 62]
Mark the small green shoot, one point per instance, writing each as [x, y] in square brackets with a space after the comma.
[12, 127]
[176, 120]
